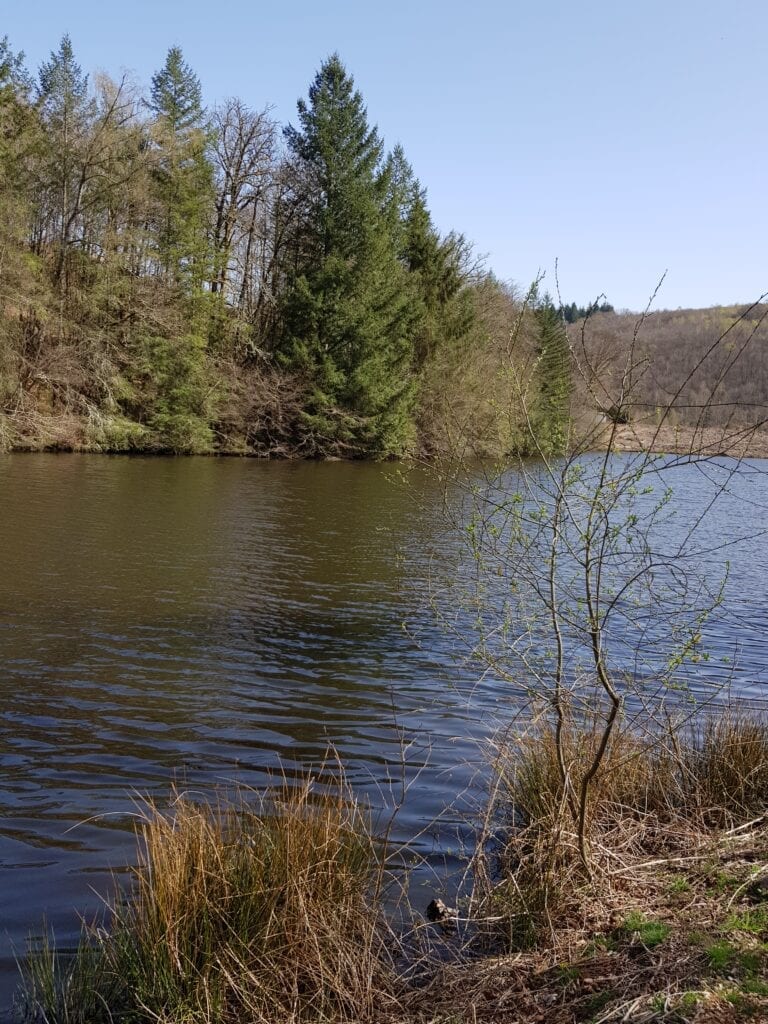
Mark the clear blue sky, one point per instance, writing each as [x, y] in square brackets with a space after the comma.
[622, 139]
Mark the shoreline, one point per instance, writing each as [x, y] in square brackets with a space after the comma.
[637, 437]
[729, 442]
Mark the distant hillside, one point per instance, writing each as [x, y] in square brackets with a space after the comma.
[709, 365]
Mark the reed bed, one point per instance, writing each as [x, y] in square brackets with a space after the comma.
[254, 910]
[235, 914]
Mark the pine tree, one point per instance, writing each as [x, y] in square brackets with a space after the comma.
[347, 318]
[183, 174]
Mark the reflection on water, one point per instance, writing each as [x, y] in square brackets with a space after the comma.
[207, 620]
[203, 620]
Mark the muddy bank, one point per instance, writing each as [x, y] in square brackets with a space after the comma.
[736, 442]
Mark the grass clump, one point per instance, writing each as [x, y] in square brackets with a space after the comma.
[671, 899]
[721, 955]
[236, 914]
[649, 932]
[753, 920]
[725, 768]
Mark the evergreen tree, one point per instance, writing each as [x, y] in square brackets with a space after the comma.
[66, 112]
[62, 90]
[552, 415]
[13, 74]
[183, 174]
[176, 96]
[571, 313]
[175, 362]
[399, 184]
[347, 317]
[442, 308]
[437, 269]
[17, 123]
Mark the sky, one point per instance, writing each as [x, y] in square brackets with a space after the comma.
[602, 143]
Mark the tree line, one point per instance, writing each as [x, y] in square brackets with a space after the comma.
[180, 279]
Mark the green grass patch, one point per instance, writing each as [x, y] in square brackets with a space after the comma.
[679, 884]
[754, 921]
[600, 944]
[688, 1002]
[721, 955]
[592, 1006]
[650, 932]
[566, 974]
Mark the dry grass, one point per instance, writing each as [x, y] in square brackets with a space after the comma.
[716, 773]
[237, 914]
[256, 912]
[726, 770]
[632, 776]
[736, 442]
[672, 926]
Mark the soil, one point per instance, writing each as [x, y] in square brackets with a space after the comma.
[737, 442]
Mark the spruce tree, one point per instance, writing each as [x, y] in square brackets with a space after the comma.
[552, 415]
[176, 95]
[14, 79]
[442, 308]
[437, 266]
[182, 184]
[347, 318]
[66, 112]
[183, 174]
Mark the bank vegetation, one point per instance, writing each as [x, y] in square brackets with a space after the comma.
[189, 280]
[279, 909]
[183, 279]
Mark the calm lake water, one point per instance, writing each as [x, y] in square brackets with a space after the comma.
[205, 620]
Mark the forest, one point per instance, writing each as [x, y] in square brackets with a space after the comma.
[187, 280]
[705, 367]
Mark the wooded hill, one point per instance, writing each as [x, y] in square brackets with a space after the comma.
[182, 280]
[176, 279]
[696, 367]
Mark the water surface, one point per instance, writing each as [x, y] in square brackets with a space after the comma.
[206, 620]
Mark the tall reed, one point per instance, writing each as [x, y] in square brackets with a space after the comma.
[654, 795]
[241, 910]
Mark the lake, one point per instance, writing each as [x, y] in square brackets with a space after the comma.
[201, 621]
